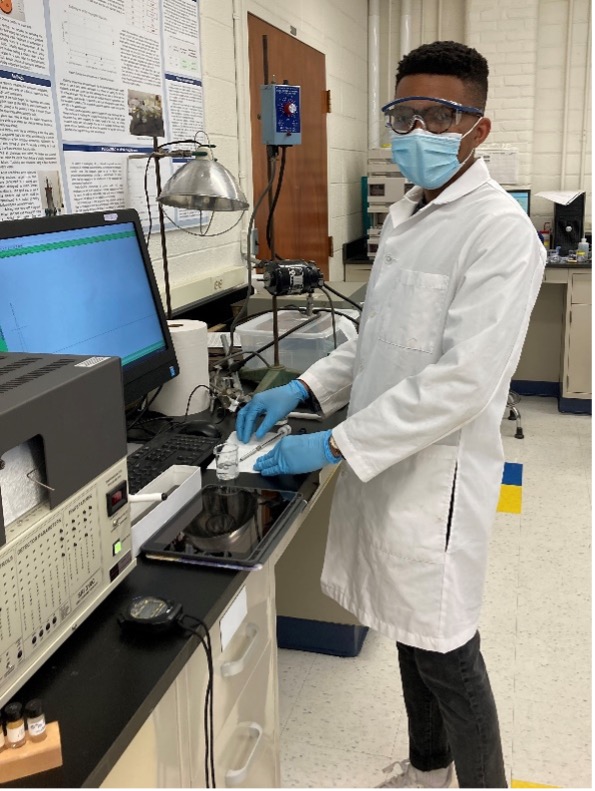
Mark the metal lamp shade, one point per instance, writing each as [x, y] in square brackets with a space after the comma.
[204, 185]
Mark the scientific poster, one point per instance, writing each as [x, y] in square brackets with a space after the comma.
[85, 86]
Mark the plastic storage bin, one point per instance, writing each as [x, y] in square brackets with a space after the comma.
[300, 349]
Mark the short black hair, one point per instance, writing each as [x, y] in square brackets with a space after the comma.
[449, 58]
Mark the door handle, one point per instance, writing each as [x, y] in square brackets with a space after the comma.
[233, 777]
[237, 666]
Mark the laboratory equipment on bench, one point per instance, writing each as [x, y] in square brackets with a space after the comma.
[284, 431]
[235, 527]
[65, 539]
[292, 277]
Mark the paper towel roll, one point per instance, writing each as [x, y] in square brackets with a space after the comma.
[190, 343]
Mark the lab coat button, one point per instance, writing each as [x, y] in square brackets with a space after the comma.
[388, 259]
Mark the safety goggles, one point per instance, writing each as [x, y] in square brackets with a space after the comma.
[437, 118]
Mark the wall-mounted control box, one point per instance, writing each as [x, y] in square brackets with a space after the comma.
[280, 114]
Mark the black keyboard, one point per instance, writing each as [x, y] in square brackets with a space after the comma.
[162, 452]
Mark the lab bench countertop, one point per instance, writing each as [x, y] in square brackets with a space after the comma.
[568, 265]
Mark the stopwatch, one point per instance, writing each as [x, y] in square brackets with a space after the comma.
[150, 613]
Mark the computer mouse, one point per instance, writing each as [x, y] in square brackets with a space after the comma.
[200, 428]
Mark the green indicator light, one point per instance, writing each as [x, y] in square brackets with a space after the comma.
[117, 547]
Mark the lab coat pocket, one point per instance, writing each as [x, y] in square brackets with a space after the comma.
[414, 311]
[416, 502]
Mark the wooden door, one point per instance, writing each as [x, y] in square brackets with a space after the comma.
[301, 214]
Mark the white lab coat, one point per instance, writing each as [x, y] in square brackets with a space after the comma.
[445, 317]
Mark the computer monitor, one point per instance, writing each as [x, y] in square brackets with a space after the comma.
[84, 284]
[522, 197]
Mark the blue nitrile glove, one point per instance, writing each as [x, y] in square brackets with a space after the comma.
[300, 453]
[274, 404]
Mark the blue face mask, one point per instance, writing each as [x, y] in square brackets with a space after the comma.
[426, 159]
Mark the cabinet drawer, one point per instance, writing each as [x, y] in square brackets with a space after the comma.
[555, 275]
[233, 665]
[246, 750]
[581, 288]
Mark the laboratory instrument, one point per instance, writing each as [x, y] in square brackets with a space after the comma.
[280, 114]
[235, 527]
[292, 277]
[65, 538]
[283, 432]
[569, 223]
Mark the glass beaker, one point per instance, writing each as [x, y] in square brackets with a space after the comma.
[226, 461]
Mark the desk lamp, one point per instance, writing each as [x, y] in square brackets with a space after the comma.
[202, 184]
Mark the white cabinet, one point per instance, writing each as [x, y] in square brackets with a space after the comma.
[246, 749]
[159, 754]
[169, 749]
[576, 368]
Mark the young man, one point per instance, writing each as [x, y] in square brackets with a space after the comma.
[444, 322]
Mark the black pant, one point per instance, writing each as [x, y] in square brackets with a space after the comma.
[452, 714]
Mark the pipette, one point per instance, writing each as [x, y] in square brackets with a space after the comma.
[283, 431]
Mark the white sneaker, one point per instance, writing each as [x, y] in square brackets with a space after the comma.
[410, 777]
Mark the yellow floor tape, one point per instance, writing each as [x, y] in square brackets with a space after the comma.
[523, 784]
[511, 499]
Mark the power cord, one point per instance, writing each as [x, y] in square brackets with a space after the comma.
[154, 615]
[200, 630]
[269, 231]
[236, 366]
[342, 296]
[262, 196]
[332, 307]
[143, 411]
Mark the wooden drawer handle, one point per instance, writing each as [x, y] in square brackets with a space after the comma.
[233, 777]
[237, 666]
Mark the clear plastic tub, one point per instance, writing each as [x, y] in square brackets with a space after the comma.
[300, 349]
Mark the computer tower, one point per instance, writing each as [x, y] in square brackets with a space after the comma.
[569, 224]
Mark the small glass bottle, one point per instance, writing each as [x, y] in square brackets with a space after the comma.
[35, 720]
[15, 725]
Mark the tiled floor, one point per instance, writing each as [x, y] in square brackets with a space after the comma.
[343, 720]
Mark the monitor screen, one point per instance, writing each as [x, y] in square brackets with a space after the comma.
[522, 197]
[84, 284]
